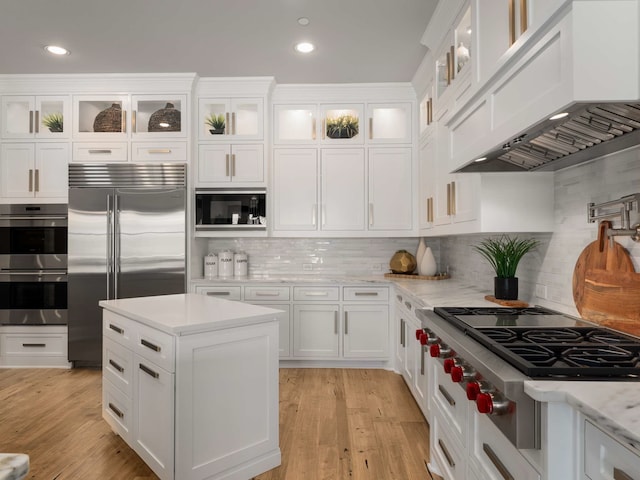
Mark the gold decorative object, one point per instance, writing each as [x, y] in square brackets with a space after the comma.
[109, 120]
[166, 119]
[402, 262]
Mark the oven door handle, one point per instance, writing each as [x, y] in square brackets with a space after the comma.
[34, 217]
[7, 271]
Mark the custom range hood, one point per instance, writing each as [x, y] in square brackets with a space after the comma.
[590, 130]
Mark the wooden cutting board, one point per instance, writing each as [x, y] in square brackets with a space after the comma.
[606, 288]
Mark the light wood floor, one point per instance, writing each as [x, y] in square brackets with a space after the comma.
[334, 424]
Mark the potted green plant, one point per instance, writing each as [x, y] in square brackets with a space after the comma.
[504, 254]
[216, 122]
[343, 126]
[53, 122]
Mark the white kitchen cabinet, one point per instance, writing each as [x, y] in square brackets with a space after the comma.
[342, 189]
[155, 116]
[34, 170]
[224, 164]
[427, 185]
[389, 122]
[33, 346]
[159, 152]
[295, 189]
[366, 327]
[449, 457]
[28, 116]
[390, 188]
[316, 330]
[172, 413]
[243, 119]
[295, 124]
[341, 124]
[312, 124]
[606, 457]
[228, 292]
[101, 117]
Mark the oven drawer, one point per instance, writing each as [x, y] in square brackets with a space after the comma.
[452, 401]
[493, 455]
[606, 458]
[33, 345]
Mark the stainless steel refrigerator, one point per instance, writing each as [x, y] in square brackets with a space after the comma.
[126, 238]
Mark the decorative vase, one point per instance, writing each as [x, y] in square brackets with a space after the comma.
[109, 119]
[420, 252]
[427, 265]
[402, 262]
[505, 288]
[167, 119]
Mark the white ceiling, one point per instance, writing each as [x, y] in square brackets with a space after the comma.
[357, 40]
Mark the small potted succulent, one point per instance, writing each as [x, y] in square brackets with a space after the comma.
[504, 254]
[343, 126]
[216, 122]
[53, 122]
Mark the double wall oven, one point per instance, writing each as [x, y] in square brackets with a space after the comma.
[33, 264]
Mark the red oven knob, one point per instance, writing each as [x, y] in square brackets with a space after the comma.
[434, 350]
[449, 363]
[423, 339]
[440, 350]
[473, 389]
[419, 333]
[492, 403]
[461, 373]
[484, 403]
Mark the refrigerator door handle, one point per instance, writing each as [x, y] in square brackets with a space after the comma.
[109, 245]
[116, 246]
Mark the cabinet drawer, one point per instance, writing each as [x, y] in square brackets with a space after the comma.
[159, 152]
[446, 451]
[118, 329]
[369, 294]
[606, 458]
[266, 293]
[117, 409]
[34, 345]
[228, 293]
[316, 293]
[117, 365]
[452, 401]
[100, 152]
[156, 346]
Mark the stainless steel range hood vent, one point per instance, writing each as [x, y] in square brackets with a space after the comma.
[590, 131]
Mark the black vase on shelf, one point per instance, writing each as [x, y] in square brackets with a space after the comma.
[505, 288]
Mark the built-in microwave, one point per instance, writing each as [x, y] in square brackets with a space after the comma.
[231, 209]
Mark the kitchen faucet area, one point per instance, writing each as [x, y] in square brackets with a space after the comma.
[322, 240]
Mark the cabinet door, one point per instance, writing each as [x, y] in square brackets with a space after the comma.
[51, 170]
[103, 117]
[390, 192]
[220, 119]
[389, 123]
[247, 164]
[294, 124]
[295, 179]
[316, 331]
[17, 170]
[35, 117]
[158, 116]
[427, 183]
[18, 116]
[466, 197]
[366, 331]
[494, 24]
[52, 117]
[342, 124]
[247, 118]
[214, 164]
[343, 185]
[153, 416]
[284, 320]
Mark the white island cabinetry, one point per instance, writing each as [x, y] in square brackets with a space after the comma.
[166, 360]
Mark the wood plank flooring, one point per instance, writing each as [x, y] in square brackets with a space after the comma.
[334, 424]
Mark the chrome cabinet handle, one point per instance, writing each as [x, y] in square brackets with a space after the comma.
[267, 294]
[619, 474]
[335, 322]
[39, 345]
[422, 348]
[115, 410]
[30, 180]
[346, 323]
[116, 366]
[447, 396]
[150, 345]
[218, 294]
[103, 150]
[148, 371]
[37, 180]
[366, 294]
[116, 329]
[446, 454]
[37, 122]
[30, 121]
[402, 332]
[448, 199]
[496, 462]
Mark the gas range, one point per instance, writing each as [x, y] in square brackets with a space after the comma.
[491, 352]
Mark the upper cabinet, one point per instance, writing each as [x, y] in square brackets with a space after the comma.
[327, 124]
[101, 117]
[33, 117]
[389, 122]
[227, 119]
[158, 116]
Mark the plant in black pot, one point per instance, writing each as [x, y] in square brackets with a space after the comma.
[216, 122]
[504, 254]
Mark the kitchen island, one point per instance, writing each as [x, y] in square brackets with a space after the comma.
[190, 382]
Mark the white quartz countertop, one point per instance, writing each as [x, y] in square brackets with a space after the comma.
[183, 314]
[13, 466]
[615, 406]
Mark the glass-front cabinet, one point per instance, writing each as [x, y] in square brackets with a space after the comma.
[158, 115]
[35, 116]
[329, 124]
[101, 117]
[455, 54]
[389, 122]
[222, 119]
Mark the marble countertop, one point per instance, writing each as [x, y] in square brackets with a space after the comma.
[13, 466]
[184, 314]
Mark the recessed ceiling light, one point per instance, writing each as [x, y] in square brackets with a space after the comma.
[56, 50]
[558, 116]
[481, 159]
[305, 47]
[304, 21]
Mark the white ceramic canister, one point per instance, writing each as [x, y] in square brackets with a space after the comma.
[225, 263]
[420, 253]
[210, 266]
[240, 264]
[428, 265]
